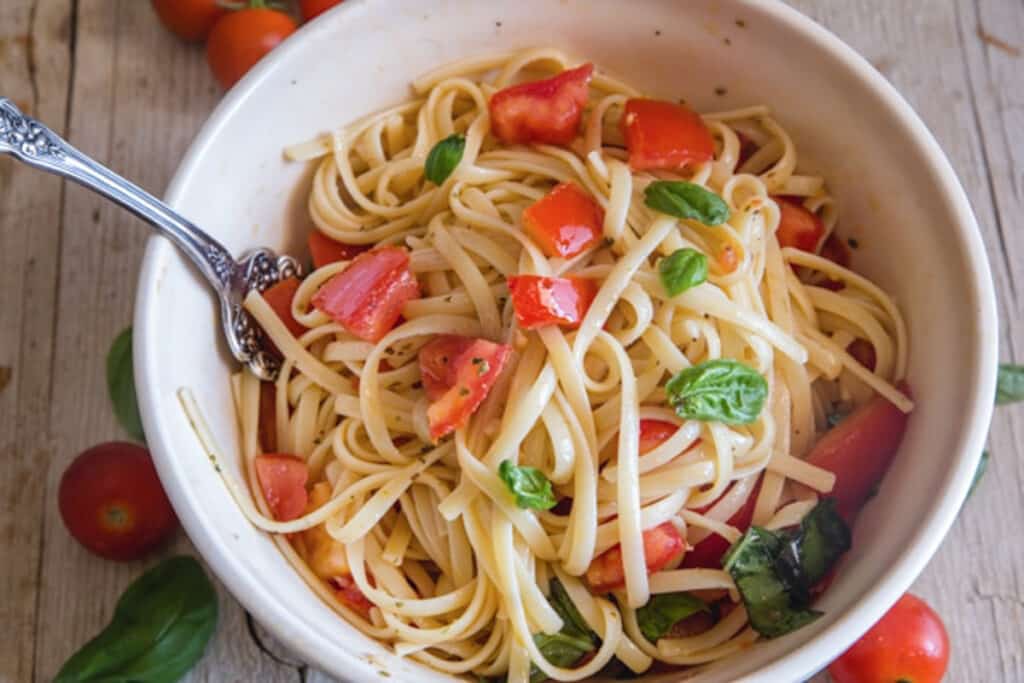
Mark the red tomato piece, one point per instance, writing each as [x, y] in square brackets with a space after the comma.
[708, 553]
[546, 112]
[190, 20]
[836, 251]
[348, 593]
[280, 297]
[476, 370]
[283, 481]
[863, 352]
[664, 135]
[314, 8]
[367, 297]
[438, 369]
[111, 501]
[540, 301]
[798, 227]
[858, 451]
[325, 250]
[662, 544]
[268, 417]
[655, 432]
[909, 644]
[565, 221]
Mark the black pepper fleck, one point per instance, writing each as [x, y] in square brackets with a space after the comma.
[854, 244]
[727, 41]
[741, 23]
[720, 91]
[657, 33]
[497, 24]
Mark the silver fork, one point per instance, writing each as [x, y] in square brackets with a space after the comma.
[30, 141]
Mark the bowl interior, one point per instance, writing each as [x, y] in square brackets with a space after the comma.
[897, 197]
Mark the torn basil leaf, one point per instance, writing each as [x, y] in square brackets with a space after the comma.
[774, 571]
[686, 200]
[443, 158]
[665, 610]
[121, 385]
[568, 646]
[683, 269]
[530, 487]
[979, 472]
[718, 391]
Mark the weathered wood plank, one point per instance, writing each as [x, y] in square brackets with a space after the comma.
[34, 71]
[970, 94]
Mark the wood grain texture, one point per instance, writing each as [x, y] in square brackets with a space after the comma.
[131, 95]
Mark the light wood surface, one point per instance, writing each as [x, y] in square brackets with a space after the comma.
[105, 74]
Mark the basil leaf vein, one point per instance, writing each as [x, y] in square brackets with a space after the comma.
[686, 200]
[718, 390]
[121, 385]
[444, 157]
[529, 486]
[160, 628]
[1010, 384]
[665, 610]
[683, 269]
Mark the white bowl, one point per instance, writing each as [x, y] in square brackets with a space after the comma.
[897, 192]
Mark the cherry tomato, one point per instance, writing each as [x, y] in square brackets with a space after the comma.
[325, 250]
[798, 227]
[664, 135]
[279, 297]
[367, 297]
[283, 480]
[540, 300]
[190, 20]
[546, 111]
[909, 644]
[476, 370]
[112, 502]
[314, 8]
[708, 553]
[662, 544]
[240, 39]
[565, 221]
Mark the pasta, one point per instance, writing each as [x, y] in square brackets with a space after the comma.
[417, 540]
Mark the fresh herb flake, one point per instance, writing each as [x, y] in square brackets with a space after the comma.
[683, 269]
[530, 487]
[443, 158]
[718, 390]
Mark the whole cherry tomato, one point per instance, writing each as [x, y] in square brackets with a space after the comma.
[908, 645]
[112, 502]
[240, 39]
[313, 8]
[190, 20]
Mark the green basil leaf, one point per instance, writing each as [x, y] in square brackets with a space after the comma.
[443, 158]
[121, 385]
[664, 610]
[683, 269]
[574, 624]
[1010, 384]
[568, 646]
[718, 391]
[529, 485]
[774, 571]
[979, 472]
[159, 631]
[686, 200]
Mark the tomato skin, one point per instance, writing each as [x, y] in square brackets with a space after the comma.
[708, 553]
[475, 370]
[242, 38]
[662, 544]
[540, 301]
[546, 111]
[654, 433]
[314, 8]
[325, 250]
[858, 451]
[283, 479]
[367, 297]
[438, 369]
[909, 644]
[664, 135]
[798, 227]
[190, 20]
[565, 222]
[111, 501]
[836, 251]
[348, 593]
[280, 297]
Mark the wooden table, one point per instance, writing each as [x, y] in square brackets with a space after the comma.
[106, 75]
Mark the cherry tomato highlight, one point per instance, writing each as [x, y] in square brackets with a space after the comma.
[112, 502]
[564, 222]
[240, 39]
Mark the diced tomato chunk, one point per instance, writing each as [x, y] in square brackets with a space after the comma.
[798, 227]
[863, 352]
[565, 221]
[546, 111]
[858, 451]
[348, 593]
[655, 432]
[367, 297]
[280, 297]
[540, 301]
[325, 250]
[708, 553]
[664, 135]
[662, 544]
[475, 371]
[836, 251]
[437, 363]
[283, 482]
